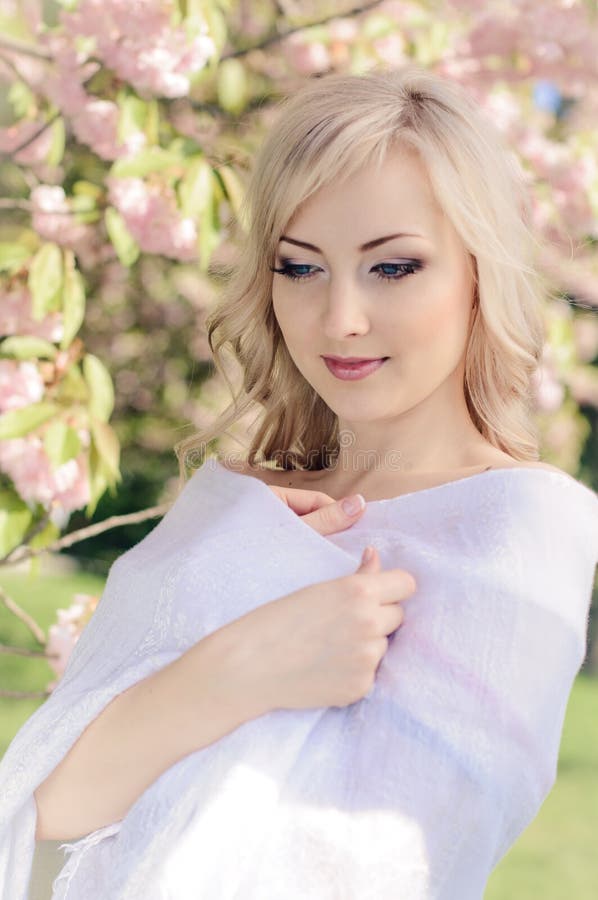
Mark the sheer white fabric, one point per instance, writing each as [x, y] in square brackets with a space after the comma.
[415, 791]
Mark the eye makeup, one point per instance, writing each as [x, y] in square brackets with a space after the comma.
[305, 271]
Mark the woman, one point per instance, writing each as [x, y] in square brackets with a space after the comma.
[262, 710]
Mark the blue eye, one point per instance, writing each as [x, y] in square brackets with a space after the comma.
[386, 271]
[395, 271]
[295, 271]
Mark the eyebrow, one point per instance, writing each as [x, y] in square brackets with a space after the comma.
[369, 245]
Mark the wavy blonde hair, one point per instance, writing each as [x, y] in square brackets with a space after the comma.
[327, 130]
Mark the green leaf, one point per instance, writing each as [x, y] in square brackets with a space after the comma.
[151, 159]
[133, 113]
[231, 85]
[45, 280]
[13, 257]
[200, 12]
[49, 533]
[152, 122]
[105, 441]
[27, 346]
[58, 141]
[101, 391]
[73, 300]
[376, 25]
[72, 387]
[97, 481]
[61, 442]
[15, 519]
[18, 422]
[87, 189]
[196, 189]
[82, 203]
[235, 193]
[21, 99]
[209, 236]
[127, 248]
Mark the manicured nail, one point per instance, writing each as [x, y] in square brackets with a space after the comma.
[353, 505]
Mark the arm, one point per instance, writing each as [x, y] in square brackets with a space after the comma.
[189, 704]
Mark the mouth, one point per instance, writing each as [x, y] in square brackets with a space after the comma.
[351, 368]
[353, 359]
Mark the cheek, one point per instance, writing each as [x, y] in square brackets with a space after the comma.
[292, 316]
[441, 316]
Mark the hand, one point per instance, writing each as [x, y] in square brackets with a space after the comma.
[325, 514]
[321, 645]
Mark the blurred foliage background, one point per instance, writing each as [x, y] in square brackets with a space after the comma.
[127, 133]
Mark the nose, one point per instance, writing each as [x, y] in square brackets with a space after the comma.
[344, 312]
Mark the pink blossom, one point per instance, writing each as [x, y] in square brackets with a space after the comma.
[60, 490]
[15, 135]
[391, 48]
[306, 58]
[20, 384]
[96, 124]
[52, 217]
[64, 634]
[16, 317]
[345, 30]
[153, 218]
[548, 391]
[136, 40]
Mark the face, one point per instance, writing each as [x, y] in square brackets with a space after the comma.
[347, 288]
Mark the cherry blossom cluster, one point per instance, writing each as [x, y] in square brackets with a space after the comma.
[137, 42]
[61, 489]
[64, 634]
[150, 211]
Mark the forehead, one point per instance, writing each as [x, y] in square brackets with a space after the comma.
[395, 191]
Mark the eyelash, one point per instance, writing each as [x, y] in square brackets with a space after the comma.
[288, 270]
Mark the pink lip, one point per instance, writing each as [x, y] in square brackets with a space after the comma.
[349, 370]
[351, 359]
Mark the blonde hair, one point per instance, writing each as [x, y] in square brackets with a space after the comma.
[329, 129]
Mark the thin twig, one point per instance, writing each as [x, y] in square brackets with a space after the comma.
[277, 37]
[23, 552]
[24, 651]
[33, 137]
[16, 204]
[24, 695]
[24, 49]
[25, 618]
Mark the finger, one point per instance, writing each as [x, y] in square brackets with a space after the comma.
[302, 501]
[391, 585]
[392, 616]
[336, 516]
[370, 561]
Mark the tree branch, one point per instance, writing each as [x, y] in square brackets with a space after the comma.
[33, 137]
[24, 552]
[15, 204]
[24, 49]
[280, 36]
[25, 618]
[25, 651]
[24, 695]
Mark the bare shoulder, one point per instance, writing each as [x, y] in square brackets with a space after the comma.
[536, 464]
[501, 460]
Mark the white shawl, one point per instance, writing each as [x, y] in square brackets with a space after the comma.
[415, 791]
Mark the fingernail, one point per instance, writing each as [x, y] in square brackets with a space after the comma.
[353, 505]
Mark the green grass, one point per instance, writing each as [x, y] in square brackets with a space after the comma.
[554, 858]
